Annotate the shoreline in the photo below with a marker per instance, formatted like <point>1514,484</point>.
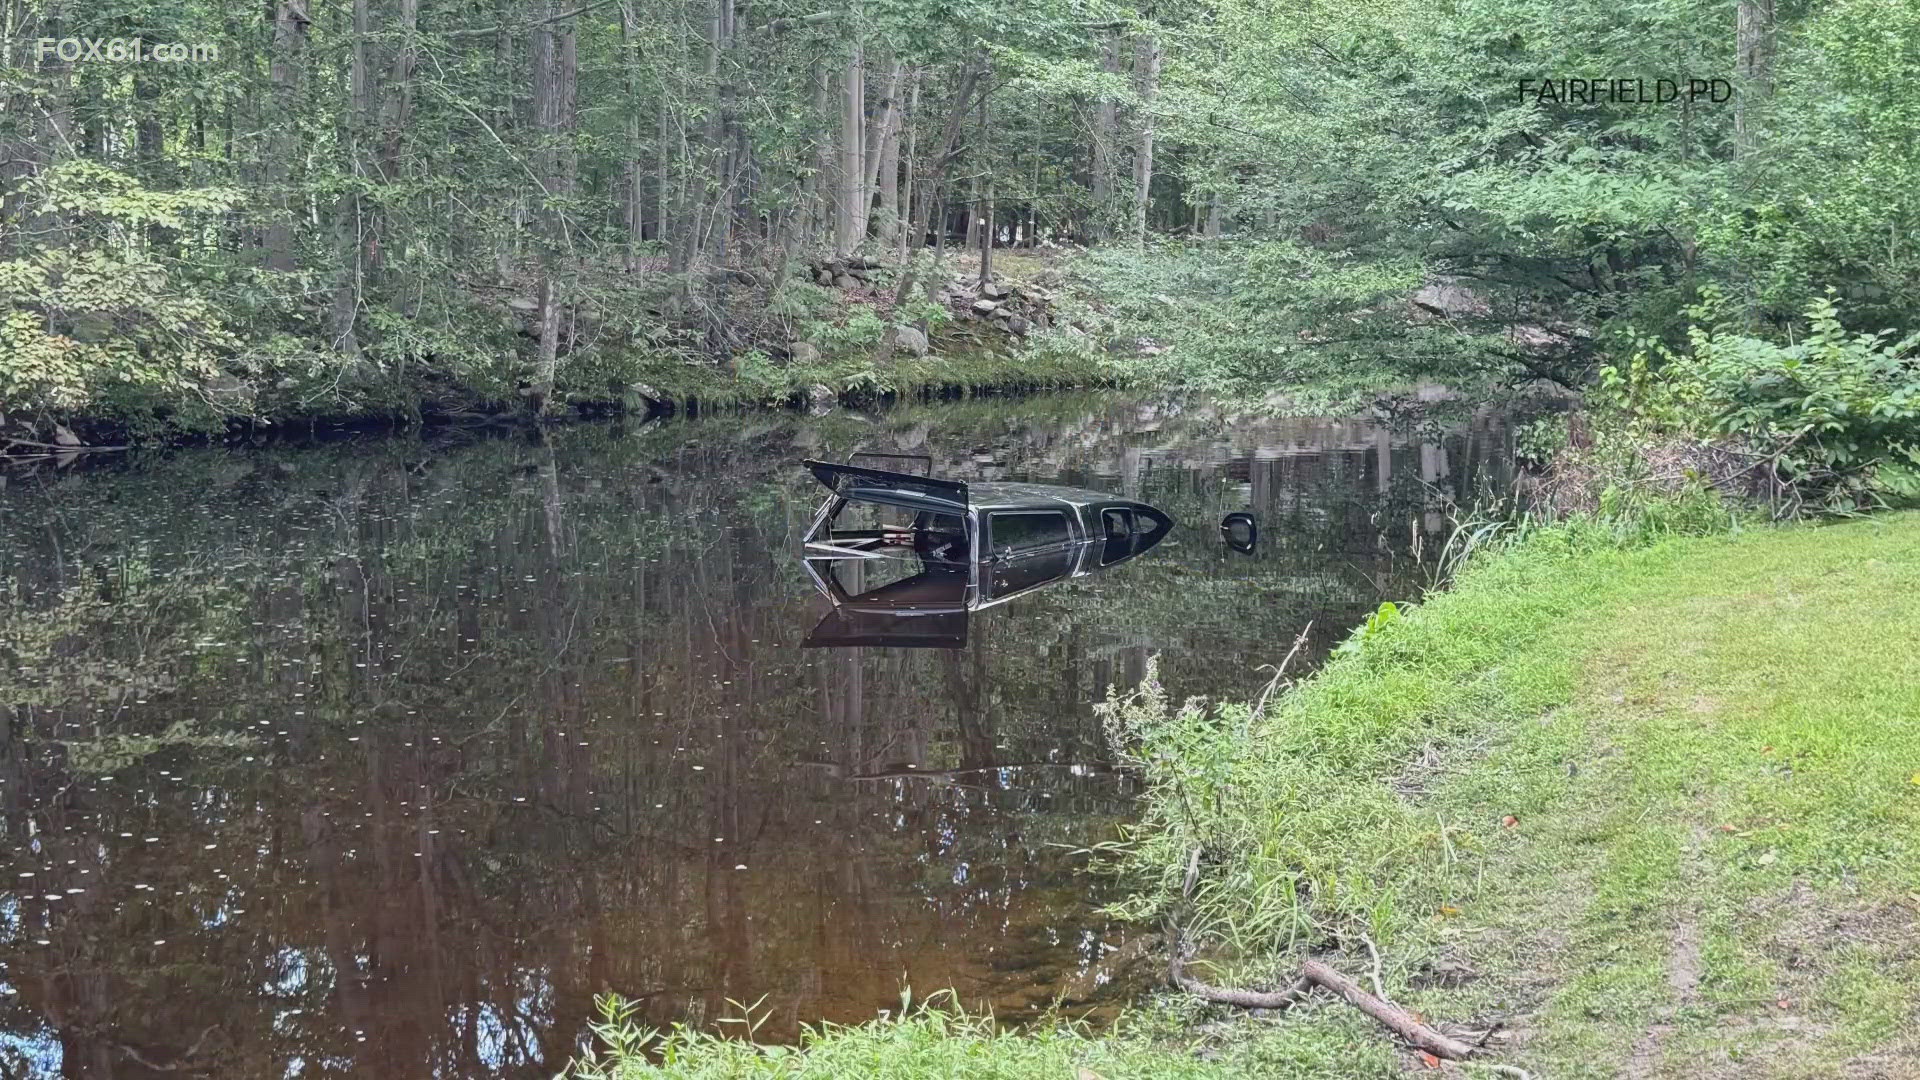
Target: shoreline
<point>1557,800</point>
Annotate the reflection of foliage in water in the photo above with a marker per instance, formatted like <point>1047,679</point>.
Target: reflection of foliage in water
<point>437,738</point>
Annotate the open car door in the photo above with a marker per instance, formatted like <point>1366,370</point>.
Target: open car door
<point>856,482</point>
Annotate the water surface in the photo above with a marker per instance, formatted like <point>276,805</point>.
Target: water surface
<point>381,757</point>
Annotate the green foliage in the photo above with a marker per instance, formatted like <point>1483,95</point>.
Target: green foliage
<point>855,330</point>
<point>1833,197</point>
<point>1376,625</point>
<point>1835,415</point>
<point>98,323</point>
<point>1241,316</point>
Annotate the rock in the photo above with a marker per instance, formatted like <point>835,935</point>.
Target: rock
<point>910,339</point>
<point>524,306</point>
<point>1041,321</point>
<point>859,273</point>
<point>1018,325</point>
<point>64,437</point>
<point>1450,300</point>
<point>802,352</point>
<point>993,290</point>
<point>836,267</point>
<point>821,399</point>
<point>845,281</point>
<point>646,391</point>
<point>985,307</point>
<point>824,279</point>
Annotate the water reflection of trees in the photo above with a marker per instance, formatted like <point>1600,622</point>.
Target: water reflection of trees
<point>387,756</point>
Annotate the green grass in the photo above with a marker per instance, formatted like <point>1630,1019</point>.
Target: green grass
<point>936,1041</point>
<point>1652,807</point>
<point>1710,748</point>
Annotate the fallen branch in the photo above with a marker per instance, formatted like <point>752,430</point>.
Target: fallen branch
<point>1314,973</point>
<point>1398,1020</point>
<point>1177,966</point>
<point>1245,999</point>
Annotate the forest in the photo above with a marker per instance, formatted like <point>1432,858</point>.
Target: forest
<point>216,217</point>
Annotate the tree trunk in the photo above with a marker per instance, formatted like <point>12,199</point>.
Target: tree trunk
<point>984,170</point>
<point>506,251</point>
<point>935,199</point>
<point>633,216</point>
<point>885,152</point>
<point>283,73</point>
<point>1146,68</point>
<point>554,82</point>
<point>348,223</point>
<point>879,128</point>
<point>663,175</point>
<point>905,202</point>
<point>850,222</point>
<point>727,138</point>
<point>1106,126</point>
<point>1753,69</point>
<point>396,110</point>
<point>820,186</point>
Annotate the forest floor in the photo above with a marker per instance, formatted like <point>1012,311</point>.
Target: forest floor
<point>1649,811</point>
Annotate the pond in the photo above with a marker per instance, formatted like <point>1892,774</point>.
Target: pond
<point>384,755</point>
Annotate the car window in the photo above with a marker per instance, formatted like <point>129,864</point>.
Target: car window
<point>1026,530</point>
<point>1119,527</point>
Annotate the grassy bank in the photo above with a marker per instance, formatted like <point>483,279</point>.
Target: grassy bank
<point>1652,809</point>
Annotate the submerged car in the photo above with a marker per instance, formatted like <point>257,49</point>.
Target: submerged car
<point>904,558</point>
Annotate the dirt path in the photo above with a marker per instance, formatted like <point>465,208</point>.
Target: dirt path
<point>1685,967</point>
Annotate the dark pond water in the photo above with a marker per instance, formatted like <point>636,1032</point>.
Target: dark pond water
<point>382,757</point>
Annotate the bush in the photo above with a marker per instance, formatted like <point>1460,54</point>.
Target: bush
<point>96,322</point>
<point>1831,421</point>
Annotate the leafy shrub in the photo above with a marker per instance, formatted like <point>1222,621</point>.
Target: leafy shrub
<point>97,322</point>
<point>859,331</point>
<point>1834,418</point>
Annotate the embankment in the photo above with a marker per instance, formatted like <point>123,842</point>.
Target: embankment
<point>1616,807</point>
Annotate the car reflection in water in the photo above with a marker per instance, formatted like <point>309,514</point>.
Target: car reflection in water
<point>905,558</point>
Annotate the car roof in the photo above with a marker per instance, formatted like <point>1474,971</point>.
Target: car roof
<point>1002,495</point>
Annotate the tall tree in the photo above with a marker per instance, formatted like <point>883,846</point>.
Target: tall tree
<point>1146,77</point>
